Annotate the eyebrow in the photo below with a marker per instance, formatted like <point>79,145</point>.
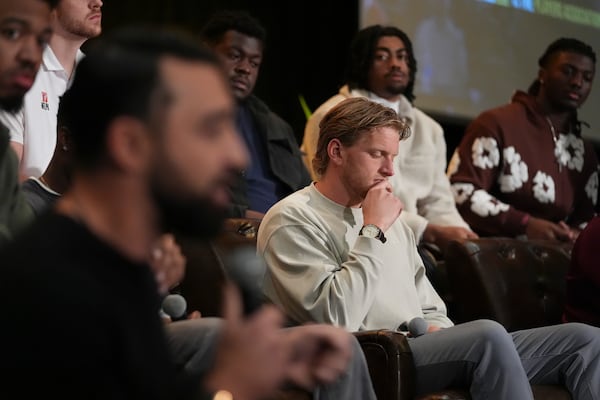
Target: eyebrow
<point>401,49</point>
<point>571,65</point>
<point>14,20</point>
<point>23,24</point>
<point>241,50</point>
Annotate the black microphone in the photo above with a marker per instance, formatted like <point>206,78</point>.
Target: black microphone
<point>175,306</point>
<point>416,326</point>
<point>246,269</point>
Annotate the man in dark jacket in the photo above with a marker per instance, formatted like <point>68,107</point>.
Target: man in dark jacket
<point>276,169</point>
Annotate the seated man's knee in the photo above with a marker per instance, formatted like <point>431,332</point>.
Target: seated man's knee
<point>581,334</point>
<point>491,333</point>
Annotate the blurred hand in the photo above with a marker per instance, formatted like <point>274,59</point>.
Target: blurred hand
<point>320,354</point>
<point>442,235</point>
<point>193,315</point>
<point>253,354</point>
<point>575,234</point>
<point>380,207</point>
<point>538,228</point>
<point>167,262</point>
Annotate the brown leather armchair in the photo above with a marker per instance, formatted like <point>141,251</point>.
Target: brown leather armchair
<point>519,283</point>
<point>387,352</point>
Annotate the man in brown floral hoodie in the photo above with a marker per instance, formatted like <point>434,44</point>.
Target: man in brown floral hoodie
<point>524,168</point>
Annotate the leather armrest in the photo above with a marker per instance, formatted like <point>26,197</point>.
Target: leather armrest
<point>392,369</point>
<point>390,363</point>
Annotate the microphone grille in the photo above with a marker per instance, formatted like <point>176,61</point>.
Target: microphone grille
<point>417,326</point>
<point>174,305</point>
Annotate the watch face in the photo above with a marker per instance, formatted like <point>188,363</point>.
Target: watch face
<point>370,231</point>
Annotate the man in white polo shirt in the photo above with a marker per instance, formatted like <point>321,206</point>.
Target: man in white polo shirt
<point>33,129</point>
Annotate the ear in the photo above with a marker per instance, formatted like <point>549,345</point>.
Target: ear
<point>335,151</point>
<point>541,75</point>
<point>128,144</point>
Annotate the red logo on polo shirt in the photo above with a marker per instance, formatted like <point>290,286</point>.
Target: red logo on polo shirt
<point>45,105</point>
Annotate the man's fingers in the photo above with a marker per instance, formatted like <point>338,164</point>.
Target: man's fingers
<point>321,354</point>
<point>569,233</point>
<point>561,231</point>
<point>471,235</point>
<point>329,364</point>
<point>382,185</point>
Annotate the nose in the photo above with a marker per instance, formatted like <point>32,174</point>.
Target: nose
<point>243,65</point>
<point>399,62</point>
<point>387,168</point>
<point>577,80</point>
<point>96,4</point>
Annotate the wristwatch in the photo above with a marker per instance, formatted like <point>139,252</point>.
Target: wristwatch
<point>372,231</point>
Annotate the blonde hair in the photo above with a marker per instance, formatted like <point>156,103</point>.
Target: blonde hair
<point>351,119</point>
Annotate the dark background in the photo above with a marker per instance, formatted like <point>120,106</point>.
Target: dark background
<point>307,44</point>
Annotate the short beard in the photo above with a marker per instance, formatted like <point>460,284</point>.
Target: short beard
<point>79,28</point>
<point>395,90</point>
<point>195,217</point>
<point>11,104</point>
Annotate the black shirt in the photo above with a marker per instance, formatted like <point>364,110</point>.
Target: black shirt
<point>80,320</point>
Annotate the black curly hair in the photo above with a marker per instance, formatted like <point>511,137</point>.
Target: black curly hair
<point>362,52</point>
<point>236,20</point>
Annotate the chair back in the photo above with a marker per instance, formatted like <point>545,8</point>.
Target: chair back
<point>519,283</point>
<point>206,274</point>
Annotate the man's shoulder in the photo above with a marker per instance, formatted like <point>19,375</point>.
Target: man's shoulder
<point>255,104</point>
<point>12,122</point>
<point>42,251</point>
<point>259,109</point>
<point>299,215</point>
<point>59,249</point>
<point>291,204</point>
<point>502,112</point>
<point>31,184</point>
<point>49,61</point>
<point>9,165</point>
<point>423,117</point>
<point>258,106</point>
<point>328,105</point>
<point>425,125</point>
<point>297,208</point>
<point>40,237</point>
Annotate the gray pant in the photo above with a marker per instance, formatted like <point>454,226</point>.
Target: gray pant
<point>500,365</point>
<point>193,343</point>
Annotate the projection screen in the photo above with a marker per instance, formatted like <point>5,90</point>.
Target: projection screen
<point>473,54</point>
